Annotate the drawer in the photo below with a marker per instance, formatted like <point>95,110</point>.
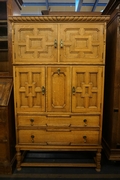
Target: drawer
<point>58,137</point>
<point>59,121</point>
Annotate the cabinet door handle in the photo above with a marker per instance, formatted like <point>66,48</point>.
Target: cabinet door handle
<point>32,137</point>
<point>58,71</point>
<point>55,43</point>
<point>85,122</point>
<point>43,90</point>
<point>61,43</point>
<point>73,90</point>
<point>85,139</point>
<point>31,120</point>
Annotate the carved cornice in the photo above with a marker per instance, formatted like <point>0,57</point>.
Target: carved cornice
<point>47,19</point>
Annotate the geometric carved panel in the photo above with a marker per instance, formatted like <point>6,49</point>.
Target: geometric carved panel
<point>58,96</point>
<point>82,43</point>
<point>30,83</point>
<point>87,86</point>
<point>35,43</point>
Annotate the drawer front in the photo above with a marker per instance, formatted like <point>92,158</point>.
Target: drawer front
<point>58,121</point>
<point>58,137</point>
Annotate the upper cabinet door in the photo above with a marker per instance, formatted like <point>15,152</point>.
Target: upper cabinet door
<point>30,89</point>
<point>82,43</point>
<point>35,43</point>
<point>58,89</point>
<point>87,89</point>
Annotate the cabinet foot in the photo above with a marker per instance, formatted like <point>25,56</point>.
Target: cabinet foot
<point>18,157</point>
<point>98,160</point>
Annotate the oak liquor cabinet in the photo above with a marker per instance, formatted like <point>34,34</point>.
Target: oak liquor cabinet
<point>58,69</point>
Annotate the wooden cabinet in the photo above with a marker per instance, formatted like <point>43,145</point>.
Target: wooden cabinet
<point>58,66</point>
<point>7,7</point>
<point>7,127</point>
<point>80,44</point>
<point>111,123</point>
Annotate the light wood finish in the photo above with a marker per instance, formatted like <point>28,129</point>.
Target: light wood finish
<point>87,82</point>
<point>80,44</point>
<point>66,120</point>
<point>59,82</point>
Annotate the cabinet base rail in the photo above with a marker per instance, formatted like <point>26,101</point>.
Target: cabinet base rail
<point>96,162</point>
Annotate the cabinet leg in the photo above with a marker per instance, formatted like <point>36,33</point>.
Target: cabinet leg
<point>18,157</point>
<point>98,160</point>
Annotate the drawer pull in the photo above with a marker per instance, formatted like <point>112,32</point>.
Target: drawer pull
<point>32,137</point>
<point>31,120</point>
<point>85,122</point>
<point>85,139</point>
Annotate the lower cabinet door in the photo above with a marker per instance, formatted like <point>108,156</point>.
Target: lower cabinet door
<point>29,89</point>
<point>87,88</point>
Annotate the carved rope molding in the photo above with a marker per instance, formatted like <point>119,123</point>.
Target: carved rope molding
<point>47,19</point>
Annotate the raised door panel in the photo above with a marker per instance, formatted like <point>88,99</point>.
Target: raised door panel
<point>82,43</point>
<point>35,43</point>
<point>58,91</point>
<point>87,89</point>
<point>30,89</point>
